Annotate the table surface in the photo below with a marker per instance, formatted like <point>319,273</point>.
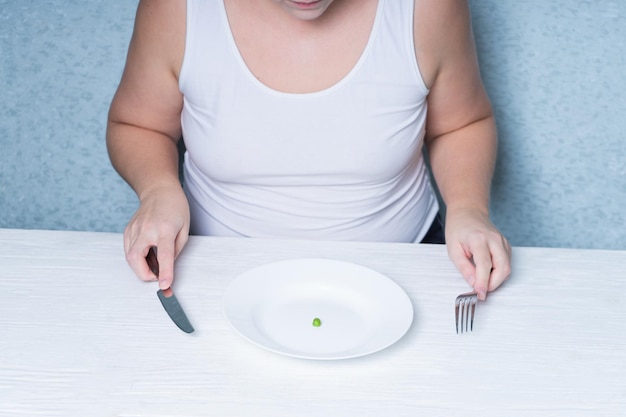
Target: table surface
<point>80,335</point>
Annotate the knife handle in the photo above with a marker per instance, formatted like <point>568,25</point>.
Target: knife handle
<point>152,260</point>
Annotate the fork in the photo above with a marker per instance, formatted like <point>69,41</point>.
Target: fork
<point>464,309</point>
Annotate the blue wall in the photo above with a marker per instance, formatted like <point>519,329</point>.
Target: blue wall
<point>555,71</point>
<point>61,61</point>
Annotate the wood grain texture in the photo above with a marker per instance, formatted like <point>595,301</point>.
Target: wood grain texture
<point>81,336</point>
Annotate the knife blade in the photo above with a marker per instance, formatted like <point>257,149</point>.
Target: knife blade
<point>168,299</point>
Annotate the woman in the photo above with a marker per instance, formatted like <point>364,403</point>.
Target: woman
<point>306,119</point>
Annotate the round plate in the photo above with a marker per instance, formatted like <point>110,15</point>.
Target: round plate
<point>360,310</point>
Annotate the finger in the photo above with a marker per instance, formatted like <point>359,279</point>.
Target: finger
<point>134,252</point>
<point>129,238</point>
<point>501,258</point>
<point>166,255</point>
<point>126,241</point>
<point>136,258</point>
<point>481,257</point>
<point>463,262</point>
<point>181,241</point>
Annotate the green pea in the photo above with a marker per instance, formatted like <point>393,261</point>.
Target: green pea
<point>317,322</point>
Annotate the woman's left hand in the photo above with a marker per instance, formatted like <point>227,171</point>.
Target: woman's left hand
<point>479,251</point>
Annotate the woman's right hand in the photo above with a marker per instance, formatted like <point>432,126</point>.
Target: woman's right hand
<point>162,220</point>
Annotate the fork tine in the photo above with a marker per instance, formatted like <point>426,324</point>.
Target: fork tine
<point>464,311</point>
<point>456,315</point>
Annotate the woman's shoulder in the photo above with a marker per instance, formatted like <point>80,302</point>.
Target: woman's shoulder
<point>441,28</point>
<point>160,28</point>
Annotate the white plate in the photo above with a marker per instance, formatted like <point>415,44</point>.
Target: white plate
<point>361,310</point>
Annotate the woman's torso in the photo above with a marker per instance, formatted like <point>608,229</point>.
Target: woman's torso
<point>336,156</point>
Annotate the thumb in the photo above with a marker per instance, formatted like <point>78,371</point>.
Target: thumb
<point>463,263</point>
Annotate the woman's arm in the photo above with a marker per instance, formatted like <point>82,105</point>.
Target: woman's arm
<point>142,132</point>
<point>461,139</point>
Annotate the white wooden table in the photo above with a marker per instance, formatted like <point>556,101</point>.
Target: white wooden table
<point>81,336</point>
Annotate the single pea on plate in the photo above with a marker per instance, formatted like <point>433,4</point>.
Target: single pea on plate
<point>317,322</point>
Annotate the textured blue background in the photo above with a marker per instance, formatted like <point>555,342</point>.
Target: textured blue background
<point>555,71</point>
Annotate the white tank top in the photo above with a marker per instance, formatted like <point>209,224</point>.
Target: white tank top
<point>344,163</point>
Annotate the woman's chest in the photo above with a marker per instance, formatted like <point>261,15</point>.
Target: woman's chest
<point>303,57</point>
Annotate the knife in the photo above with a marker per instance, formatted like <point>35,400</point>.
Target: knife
<point>168,299</point>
